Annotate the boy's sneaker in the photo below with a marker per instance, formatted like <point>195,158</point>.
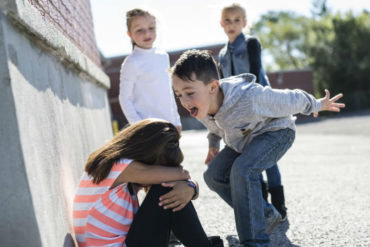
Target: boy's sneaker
<point>272,220</point>
<point>216,241</point>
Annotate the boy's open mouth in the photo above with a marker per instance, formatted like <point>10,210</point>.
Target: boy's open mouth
<point>194,112</point>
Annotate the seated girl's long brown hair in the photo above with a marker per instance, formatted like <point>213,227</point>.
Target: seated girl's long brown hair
<point>151,141</point>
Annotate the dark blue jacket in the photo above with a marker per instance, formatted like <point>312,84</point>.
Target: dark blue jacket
<point>245,52</point>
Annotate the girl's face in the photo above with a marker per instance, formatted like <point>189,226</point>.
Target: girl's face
<point>233,23</point>
<point>142,31</point>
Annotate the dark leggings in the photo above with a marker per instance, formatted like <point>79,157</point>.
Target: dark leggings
<point>152,224</point>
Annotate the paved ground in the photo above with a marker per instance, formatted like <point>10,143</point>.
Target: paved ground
<point>326,175</point>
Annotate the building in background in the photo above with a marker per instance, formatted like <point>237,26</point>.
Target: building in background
<point>54,112</point>
<point>301,79</point>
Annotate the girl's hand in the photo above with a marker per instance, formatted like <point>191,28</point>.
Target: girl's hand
<point>178,197</point>
<point>212,152</point>
<point>330,104</point>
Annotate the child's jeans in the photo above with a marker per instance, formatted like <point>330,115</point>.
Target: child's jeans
<point>273,176</point>
<point>235,178</point>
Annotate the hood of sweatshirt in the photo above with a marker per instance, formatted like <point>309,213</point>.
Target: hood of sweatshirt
<point>232,88</point>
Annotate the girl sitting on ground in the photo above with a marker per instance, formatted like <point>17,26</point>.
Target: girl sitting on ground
<point>106,208</point>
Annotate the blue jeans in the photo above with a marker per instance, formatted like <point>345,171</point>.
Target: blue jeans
<point>273,176</point>
<point>235,177</point>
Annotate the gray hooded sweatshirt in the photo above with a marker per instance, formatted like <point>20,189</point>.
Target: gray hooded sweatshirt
<point>249,110</point>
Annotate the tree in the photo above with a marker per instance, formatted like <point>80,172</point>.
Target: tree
<point>340,56</point>
<point>334,46</point>
<point>282,35</point>
<point>319,7</point>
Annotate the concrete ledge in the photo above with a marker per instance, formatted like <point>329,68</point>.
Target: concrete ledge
<point>28,19</point>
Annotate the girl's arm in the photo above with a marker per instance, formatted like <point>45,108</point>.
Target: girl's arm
<point>255,61</point>
<point>126,90</point>
<point>254,55</point>
<point>137,172</point>
<point>175,117</point>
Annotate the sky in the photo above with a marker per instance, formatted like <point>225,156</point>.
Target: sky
<point>185,24</point>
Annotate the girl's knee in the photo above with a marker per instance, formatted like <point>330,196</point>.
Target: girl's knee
<point>158,190</point>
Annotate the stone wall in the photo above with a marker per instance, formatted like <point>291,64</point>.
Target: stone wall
<point>54,112</point>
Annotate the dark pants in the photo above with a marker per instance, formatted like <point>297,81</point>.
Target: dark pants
<point>152,224</point>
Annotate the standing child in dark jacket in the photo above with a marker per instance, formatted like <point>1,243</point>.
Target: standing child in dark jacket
<point>242,54</point>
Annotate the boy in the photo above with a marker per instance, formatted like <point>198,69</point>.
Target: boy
<point>242,54</point>
<point>256,125</point>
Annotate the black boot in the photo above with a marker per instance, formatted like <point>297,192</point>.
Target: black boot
<point>216,241</point>
<point>264,190</point>
<point>278,200</point>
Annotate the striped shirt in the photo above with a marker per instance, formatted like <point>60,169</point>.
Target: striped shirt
<point>102,217</point>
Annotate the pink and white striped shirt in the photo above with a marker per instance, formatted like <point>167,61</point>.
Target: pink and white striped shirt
<point>102,217</point>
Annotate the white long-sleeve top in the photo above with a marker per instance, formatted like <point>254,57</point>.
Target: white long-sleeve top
<point>145,87</point>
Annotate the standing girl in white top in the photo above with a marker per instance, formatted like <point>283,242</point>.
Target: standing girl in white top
<point>145,84</point>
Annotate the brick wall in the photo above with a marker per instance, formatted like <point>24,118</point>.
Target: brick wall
<point>74,19</point>
<point>301,79</point>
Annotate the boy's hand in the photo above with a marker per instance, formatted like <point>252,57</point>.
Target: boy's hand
<point>330,104</point>
<point>212,152</point>
<point>179,129</point>
<point>180,195</point>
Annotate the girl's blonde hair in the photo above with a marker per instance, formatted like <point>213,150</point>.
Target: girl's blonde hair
<point>134,13</point>
<point>233,7</point>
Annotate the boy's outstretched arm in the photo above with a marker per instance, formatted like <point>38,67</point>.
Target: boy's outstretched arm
<point>330,104</point>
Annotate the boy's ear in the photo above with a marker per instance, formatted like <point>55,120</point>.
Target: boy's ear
<point>215,84</point>
<point>129,34</point>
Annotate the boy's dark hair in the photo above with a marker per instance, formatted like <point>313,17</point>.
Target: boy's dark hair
<point>198,63</point>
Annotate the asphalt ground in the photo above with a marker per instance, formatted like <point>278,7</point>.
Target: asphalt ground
<point>326,176</point>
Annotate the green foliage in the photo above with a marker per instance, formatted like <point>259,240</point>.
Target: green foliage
<point>319,8</point>
<point>335,46</point>
<point>281,35</point>
<point>341,60</point>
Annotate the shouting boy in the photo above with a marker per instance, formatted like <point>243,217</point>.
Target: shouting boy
<point>256,124</point>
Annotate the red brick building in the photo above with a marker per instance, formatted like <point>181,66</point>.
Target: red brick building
<point>74,20</point>
<point>301,79</point>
